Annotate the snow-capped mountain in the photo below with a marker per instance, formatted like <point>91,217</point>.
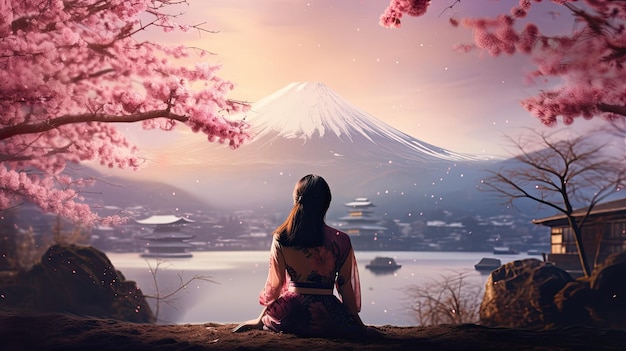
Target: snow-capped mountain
<point>308,128</point>
<point>312,117</point>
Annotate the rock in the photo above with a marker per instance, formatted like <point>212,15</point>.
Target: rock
<point>521,294</point>
<point>80,280</point>
<point>608,284</point>
<point>573,302</point>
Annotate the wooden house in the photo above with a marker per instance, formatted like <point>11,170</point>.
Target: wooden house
<point>603,234</point>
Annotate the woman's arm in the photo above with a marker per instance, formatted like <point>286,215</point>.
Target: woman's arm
<point>276,276</point>
<point>348,286</point>
<point>272,289</point>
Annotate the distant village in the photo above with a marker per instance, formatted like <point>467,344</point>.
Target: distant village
<point>164,234</point>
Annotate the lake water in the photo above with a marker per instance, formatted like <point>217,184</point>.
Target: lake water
<point>238,276</point>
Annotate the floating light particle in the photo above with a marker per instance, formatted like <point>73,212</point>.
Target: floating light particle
<point>174,193</point>
<point>445,68</point>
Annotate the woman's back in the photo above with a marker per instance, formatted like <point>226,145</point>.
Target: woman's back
<point>308,260</point>
<point>318,265</point>
<point>302,300</point>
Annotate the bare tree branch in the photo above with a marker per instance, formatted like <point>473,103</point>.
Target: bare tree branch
<point>563,175</point>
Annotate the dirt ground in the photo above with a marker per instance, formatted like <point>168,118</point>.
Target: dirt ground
<point>43,332</point>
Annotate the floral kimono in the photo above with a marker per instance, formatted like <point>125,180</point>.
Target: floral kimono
<point>332,265</point>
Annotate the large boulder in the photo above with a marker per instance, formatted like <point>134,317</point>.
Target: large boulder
<point>79,280</point>
<point>531,293</point>
<point>521,294</point>
<point>608,284</point>
<point>572,302</point>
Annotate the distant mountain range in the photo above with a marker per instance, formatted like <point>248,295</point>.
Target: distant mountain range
<point>308,128</point>
<point>110,195</point>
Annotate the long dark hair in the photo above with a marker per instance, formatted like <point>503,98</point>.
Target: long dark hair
<point>304,227</point>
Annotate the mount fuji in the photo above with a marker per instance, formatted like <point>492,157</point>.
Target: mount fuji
<point>308,128</point>
<point>310,123</point>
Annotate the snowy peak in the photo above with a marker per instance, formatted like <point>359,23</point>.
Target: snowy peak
<point>312,111</point>
<point>302,110</point>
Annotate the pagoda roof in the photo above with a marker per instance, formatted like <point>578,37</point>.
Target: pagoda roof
<point>362,227</point>
<point>359,219</point>
<point>176,244</point>
<point>172,236</point>
<point>357,203</point>
<point>164,219</point>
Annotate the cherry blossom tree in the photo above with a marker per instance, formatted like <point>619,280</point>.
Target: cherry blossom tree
<point>587,63</point>
<point>72,70</point>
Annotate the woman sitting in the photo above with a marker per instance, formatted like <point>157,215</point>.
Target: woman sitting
<point>308,259</point>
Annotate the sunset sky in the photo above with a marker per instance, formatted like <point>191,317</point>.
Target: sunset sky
<point>411,77</point>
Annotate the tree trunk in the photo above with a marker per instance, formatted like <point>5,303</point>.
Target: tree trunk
<point>579,245</point>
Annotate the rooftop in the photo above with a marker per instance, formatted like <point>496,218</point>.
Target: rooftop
<point>164,219</point>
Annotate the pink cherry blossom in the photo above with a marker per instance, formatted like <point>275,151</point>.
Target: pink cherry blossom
<point>70,70</point>
<point>588,62</point>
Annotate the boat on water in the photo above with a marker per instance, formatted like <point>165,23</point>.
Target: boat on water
<point>487,264</point>
<point>504,250</point>
<point>380,263</point>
